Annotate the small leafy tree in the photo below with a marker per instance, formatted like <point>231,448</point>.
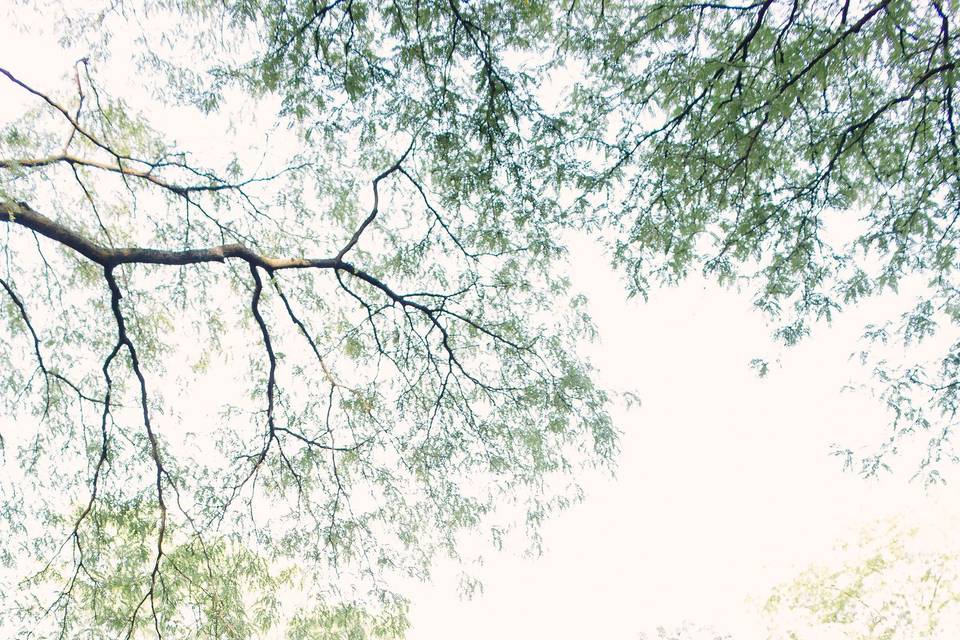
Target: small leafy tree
<point>891,584</point>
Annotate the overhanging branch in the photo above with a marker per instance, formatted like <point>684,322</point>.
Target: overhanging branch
<point>22,214</point>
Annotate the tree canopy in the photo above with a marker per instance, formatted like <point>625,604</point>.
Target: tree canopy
<point>372,256</point>
<point>891,580</point>
<point>891,584</point>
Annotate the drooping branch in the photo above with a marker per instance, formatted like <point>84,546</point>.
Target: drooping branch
<point>131,172</point>
<point>123,338</point>
<point>41,363</point>
<point>271,357</point>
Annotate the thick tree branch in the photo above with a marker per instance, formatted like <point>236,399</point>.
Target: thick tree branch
<point>22,214</point>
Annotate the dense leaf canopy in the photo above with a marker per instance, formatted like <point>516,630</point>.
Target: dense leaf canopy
<point>370,256</point>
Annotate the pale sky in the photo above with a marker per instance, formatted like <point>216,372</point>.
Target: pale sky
<point>725,484</point>
<point>724,487</point>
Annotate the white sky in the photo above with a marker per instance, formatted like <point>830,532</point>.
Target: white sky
<point>725,486</point>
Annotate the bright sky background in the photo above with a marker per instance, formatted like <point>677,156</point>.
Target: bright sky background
<point>725,484</point>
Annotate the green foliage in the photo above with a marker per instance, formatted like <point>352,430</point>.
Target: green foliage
<point>891,584</point>
<point>805,149</point>
<point>687,631</point>
<point>422,379</point>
